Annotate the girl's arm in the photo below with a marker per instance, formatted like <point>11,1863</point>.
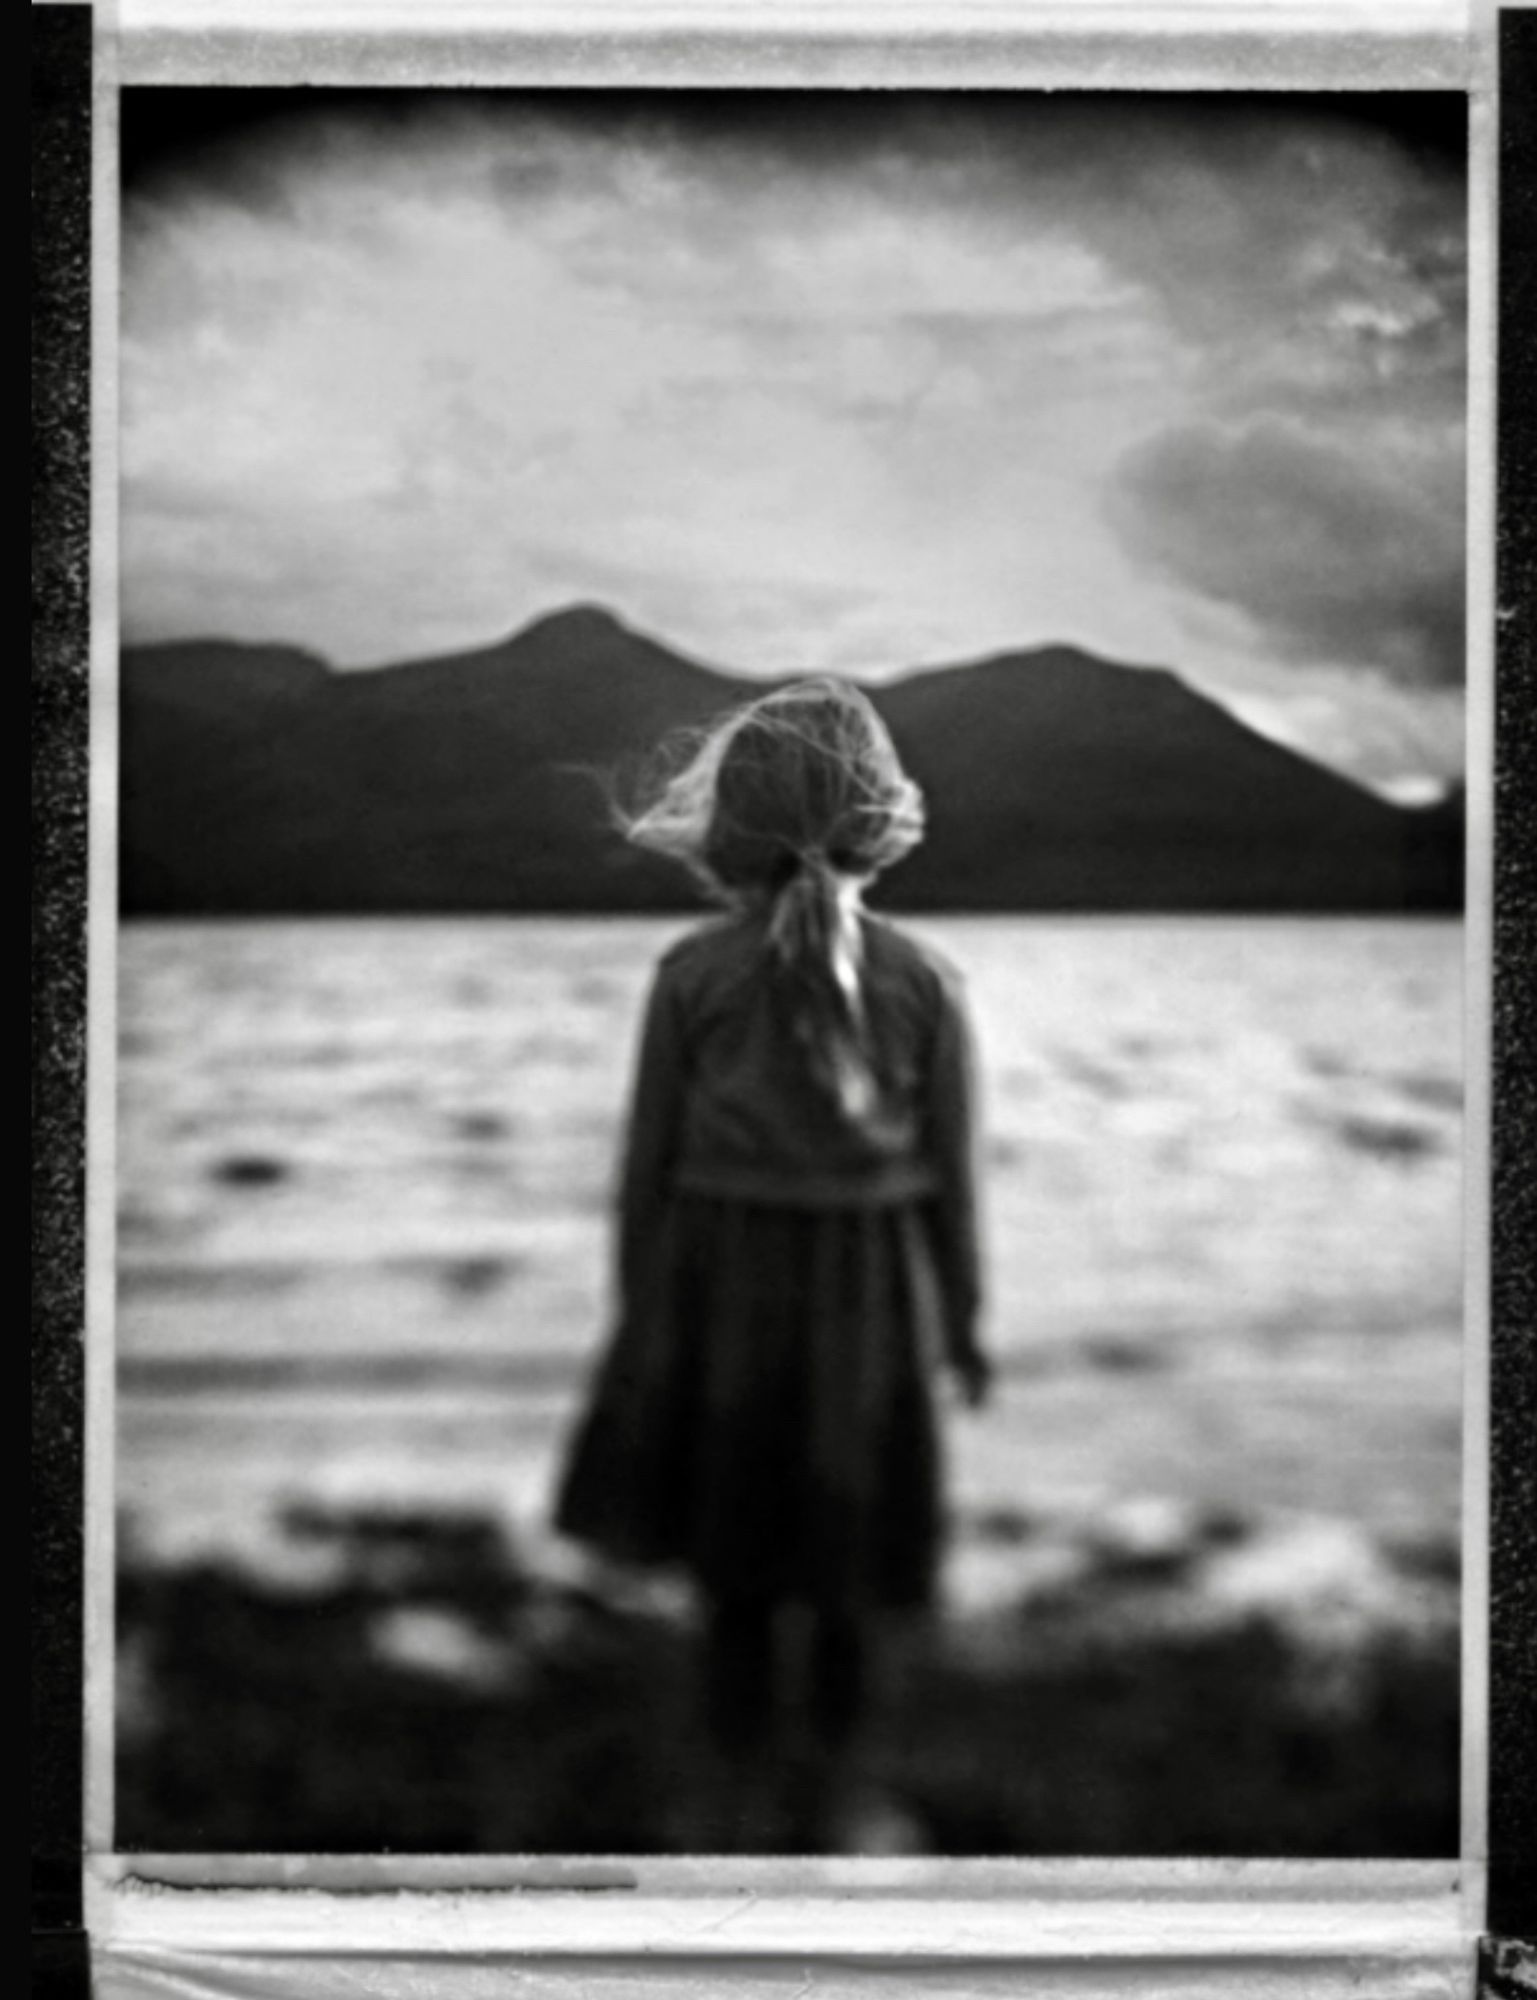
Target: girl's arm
<point>651,1135</point>
<point>954,1137</point>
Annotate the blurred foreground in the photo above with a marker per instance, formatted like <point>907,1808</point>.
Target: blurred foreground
<point>1158,1682</point>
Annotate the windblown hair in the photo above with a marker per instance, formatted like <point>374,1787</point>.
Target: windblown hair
<point>795,801</point>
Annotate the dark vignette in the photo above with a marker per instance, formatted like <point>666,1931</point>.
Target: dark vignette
<point>167,129</point>
<point>60,54</point>
<point>1513,1542</point>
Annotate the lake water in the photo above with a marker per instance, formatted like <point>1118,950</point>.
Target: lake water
<point>364,1182</point>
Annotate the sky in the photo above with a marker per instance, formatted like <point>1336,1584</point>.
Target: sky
<point>852,382</point>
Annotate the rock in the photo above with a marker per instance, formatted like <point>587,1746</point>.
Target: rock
<point>1149,1532</point>
<point>440,1644</point>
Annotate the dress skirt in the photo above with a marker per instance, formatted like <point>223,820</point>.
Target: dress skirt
<point>764,1415</point>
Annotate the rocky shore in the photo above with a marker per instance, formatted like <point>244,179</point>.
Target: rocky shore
<point>1150,1679</point>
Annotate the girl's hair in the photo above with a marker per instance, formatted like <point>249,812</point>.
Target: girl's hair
<point>796,799</point>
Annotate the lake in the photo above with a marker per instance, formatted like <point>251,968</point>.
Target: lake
<point>364,1183</point>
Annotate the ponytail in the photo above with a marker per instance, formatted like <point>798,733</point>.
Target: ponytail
<point>790,804</point>
<point>815,943</point>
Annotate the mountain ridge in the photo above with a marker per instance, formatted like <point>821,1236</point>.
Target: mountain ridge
<point>260,779</point>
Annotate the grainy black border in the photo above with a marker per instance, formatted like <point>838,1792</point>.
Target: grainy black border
<point>60,58</point>
<point>1513,1429</point>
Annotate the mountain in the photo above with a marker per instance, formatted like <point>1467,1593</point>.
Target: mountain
<point>256,779</point>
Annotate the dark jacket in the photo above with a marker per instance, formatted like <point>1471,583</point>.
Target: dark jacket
<point>725,1103</point>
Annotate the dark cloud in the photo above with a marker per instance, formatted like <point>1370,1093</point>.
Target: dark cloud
<point>1338,554</point>
<point>241,142</point>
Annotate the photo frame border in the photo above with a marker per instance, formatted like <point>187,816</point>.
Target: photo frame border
<point>1511,1827</point>
<point>73,571</point>
<point>61,61</point>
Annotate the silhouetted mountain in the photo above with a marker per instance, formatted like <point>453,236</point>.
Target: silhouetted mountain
<point>255,779</point>
<point>1437,850</point>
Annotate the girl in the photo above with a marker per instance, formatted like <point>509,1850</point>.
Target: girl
<point>797,1234</point>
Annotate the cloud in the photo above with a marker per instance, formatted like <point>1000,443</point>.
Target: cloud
<point>822,379</point>
<point>472,383</point>
<point>1337,554</point>
<point>1405,741</point>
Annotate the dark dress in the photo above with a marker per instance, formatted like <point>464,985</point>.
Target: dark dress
<point>789,1278</point>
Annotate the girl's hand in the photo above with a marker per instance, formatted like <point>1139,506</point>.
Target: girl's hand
<point>974,1377</point>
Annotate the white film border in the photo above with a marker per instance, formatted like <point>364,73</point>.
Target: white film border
<point>253,1925</point>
